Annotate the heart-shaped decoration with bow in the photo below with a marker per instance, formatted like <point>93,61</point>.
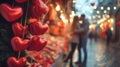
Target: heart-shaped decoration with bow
<point>19,29</point>
<point>19,44</point>
<point>37,43</point>
<point>13,62</point>
<point>37,28</point>
<point>20,1</point>
<point>10,13</point>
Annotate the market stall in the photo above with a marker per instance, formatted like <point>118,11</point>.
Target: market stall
<point>27,40</point>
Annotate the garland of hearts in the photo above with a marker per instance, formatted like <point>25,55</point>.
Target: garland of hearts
<point>34,27</point>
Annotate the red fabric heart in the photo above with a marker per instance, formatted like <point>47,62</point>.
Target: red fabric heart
<point>20,1</point>
<point>37,28</point>
<point>39,8</point>
<point>13,62</point>
<point>18,29</point>
<point>9,13</point>
<point>19,44</point>
<point>37,43</point>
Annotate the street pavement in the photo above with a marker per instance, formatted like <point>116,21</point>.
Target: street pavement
<point>98,55</point>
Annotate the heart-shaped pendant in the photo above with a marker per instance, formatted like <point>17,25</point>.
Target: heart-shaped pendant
<point>10,13</point>
<point>19,44</point>
<point>13,62</point>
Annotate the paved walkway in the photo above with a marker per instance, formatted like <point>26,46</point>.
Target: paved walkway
<point>98,55</point>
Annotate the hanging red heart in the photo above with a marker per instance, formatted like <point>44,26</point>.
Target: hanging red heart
<point>18,29</point>
<point>19,44</point>
<point>39,8</point>
<point>37,28</point>
<point>37,43</point>
<point>35,13</point>
<point>93,4</point>
<point>10,13</point>
<point>13,62</point>
<point>20,1</point>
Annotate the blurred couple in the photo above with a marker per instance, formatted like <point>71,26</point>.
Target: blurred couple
<point>79,35</point>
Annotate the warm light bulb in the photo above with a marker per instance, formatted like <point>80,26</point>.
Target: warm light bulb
<point>98,12</point>
<point>102,8</point>
<point>74,1</point>
<point>115,8</point>
<point>108,8</point>
<point>105,11</point>
<point>99,16</point>
<point>57,8</point>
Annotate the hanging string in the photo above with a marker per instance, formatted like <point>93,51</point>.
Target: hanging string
<point>26,17</point>
<point>43,18</point>
<point>24,24</point>
<point>21,20</point>
<point>19,54</point>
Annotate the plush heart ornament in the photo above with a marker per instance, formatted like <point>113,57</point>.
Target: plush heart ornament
<point>18,29</point>
<point>35,13</point>
<point>37,28</point>
<point>20,1</point>
<point>19,44</point>
<point>10,13</point>
<point>13,62</point>
<point>37,43</point>
<point>39,8</point>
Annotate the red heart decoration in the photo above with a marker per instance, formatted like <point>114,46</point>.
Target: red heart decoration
<point>37,43</point>
<point>35,12</point>
<point>37,28</point>
<point>19,44</point>
<point>13,62</point>
<point>10,13</point>
<point>39,8</point>
<point>20,1</point>
<point>18,29</point>
<point>93,4</point>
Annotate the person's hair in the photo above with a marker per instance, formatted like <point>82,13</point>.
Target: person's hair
<point>83,15</point>
<point>75,20</point>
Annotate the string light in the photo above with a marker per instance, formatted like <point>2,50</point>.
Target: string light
<point>98,12</point>
<point>57,8</point>
<point>115,8</point>
<point>99,16</point>
<point>108,8</point>
<point>102,8</point>
<point>107,16</point>
<point>74,1</point>
<point>105,11</point>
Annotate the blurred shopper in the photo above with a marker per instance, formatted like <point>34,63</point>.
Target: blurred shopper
<point>108,36</point>
<point>91,35</point>
<point>83,35</point>
<point>74,40</point>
